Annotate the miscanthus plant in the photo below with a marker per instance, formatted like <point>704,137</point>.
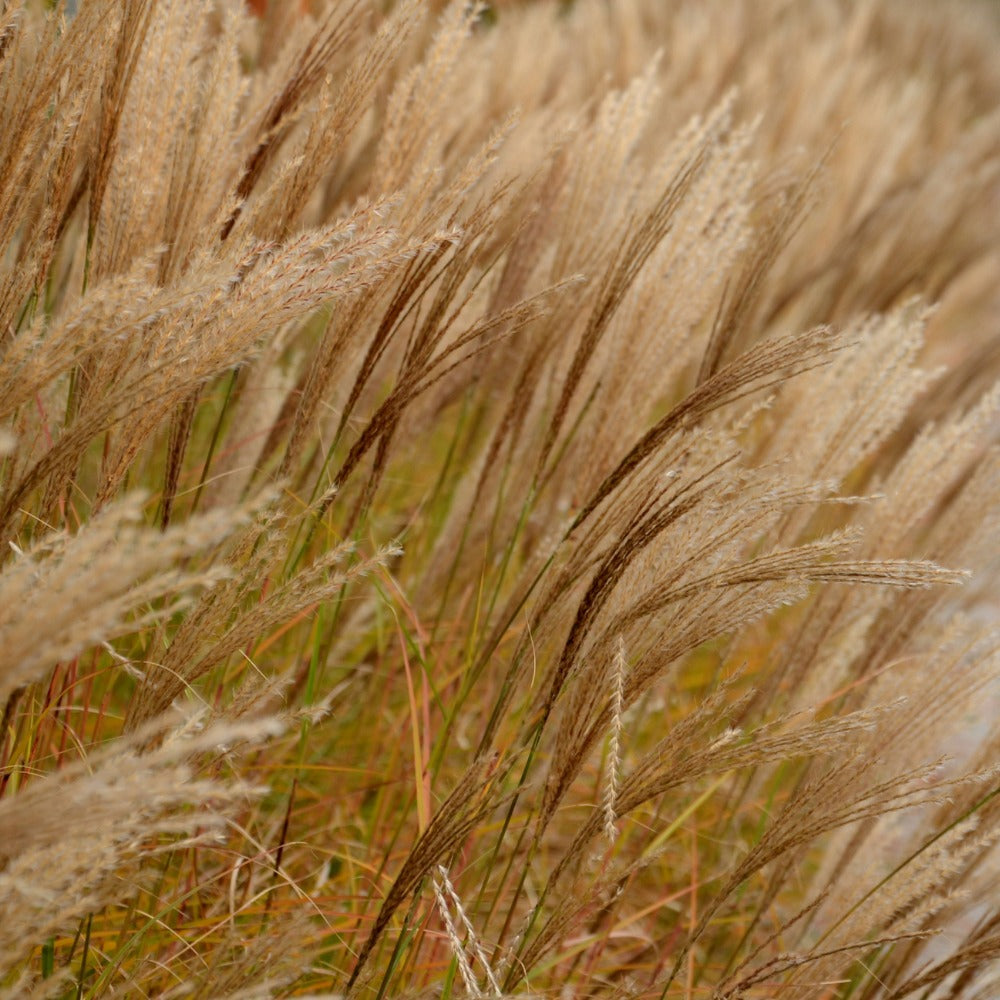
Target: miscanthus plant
<point>499,499</point>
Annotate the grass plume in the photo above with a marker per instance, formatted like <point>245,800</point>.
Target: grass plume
<point>499,499</point>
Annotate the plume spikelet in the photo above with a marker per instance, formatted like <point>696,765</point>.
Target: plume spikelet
<point>614,740</point>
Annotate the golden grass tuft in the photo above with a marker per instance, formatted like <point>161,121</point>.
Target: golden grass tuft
<point>499,499</point>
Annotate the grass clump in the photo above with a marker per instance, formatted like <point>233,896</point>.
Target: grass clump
<point>499,499</point>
